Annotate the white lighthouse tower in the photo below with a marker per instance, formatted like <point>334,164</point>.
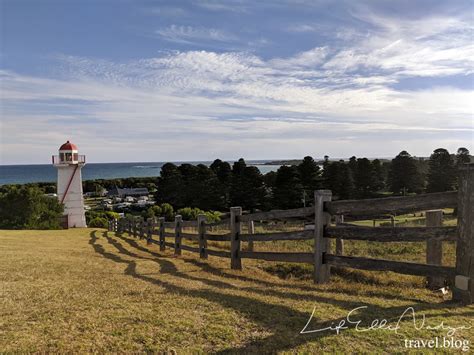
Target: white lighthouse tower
<point>69,164</point>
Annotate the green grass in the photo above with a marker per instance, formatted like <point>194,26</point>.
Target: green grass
<point>417,219</point>
<point>88,290</point>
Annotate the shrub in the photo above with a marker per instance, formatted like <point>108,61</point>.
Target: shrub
<point>213,216</point>
<point>167,211</point>
<point>98,222</point>
<point>189,213</point>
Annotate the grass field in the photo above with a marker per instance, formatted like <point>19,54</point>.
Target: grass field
<point>88,290</point>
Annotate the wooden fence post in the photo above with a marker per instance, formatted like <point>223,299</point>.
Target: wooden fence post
<point>177,236</point>
<point>251,227</point>
<point>339,241</point>
<point>142,228</point>
<point>201,220</point>
<point>321,244</point>
<point>434,248</point>
<point>134,227</point>
<point>149,230</point>
<point>464,281</point>
<point>115,225</point>
<point>161,221</point>
<point>235,230</point>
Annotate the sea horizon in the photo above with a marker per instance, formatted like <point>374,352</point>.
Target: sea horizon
<point>44,173</point>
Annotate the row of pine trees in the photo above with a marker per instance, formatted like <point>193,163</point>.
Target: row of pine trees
<point>221,185</point>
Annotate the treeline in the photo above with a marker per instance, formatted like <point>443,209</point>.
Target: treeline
<point>220,185</point>
<point>96,185</point>
<point>27,207</point>
<point>99,184</point>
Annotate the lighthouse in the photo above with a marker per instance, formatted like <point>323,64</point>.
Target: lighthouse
<point>69,164</point>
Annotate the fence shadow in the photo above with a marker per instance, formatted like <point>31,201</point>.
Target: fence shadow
<point>283,322</point>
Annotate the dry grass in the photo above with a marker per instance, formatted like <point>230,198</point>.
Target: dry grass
<point>87,290</point>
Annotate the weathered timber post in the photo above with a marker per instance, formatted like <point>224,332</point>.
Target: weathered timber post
<point>339,241</point>
<point>177,236</point>
<point>235,230</point>
<point>109,225</point>
<point>464,281</point>
<point>434,248</point>
<point>134,227</point>
<point>201,220</point>
<point>321,244</point>
<point>114,225</point>
<point>142,228</point>
<point>161,221</point>
<point>251,227</point>
<point>149,230</point>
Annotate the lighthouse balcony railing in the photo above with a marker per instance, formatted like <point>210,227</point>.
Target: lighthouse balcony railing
<point>68,159</point>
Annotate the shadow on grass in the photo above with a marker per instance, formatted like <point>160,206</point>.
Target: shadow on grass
<point>283,322</point>
<point>205,266</point>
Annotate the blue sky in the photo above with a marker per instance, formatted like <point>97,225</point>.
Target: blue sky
<point>136,80</point>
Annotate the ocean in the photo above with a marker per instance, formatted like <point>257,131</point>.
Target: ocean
<point>21,174</point>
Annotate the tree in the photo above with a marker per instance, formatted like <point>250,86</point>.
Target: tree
<point>441,173</point>
<point>310,177</point>
<point>288,191</point>
<point>462,157</point>
<point>344,183</point>
<point>353,165</point>
<point>363,177</point>
<point>170,186</point>
<point>223,172</point>
<point>29,208</point>
<point>200,187</point>
<point>247,188</point>
<point>378,171</point>
<point>404,175</point>
<point>337,177</point>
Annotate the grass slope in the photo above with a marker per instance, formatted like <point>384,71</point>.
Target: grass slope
<point>88,290</point>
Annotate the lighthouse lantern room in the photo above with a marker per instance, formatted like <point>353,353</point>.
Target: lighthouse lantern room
<point>69,164</point>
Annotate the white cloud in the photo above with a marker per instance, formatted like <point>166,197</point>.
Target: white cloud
<point>229,5</point>
<point>337,100</point>
<point>191,35</point>
<point>433,46</point>
<point>302,28</point>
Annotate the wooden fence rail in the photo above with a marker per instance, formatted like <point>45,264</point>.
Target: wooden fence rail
<point>460,277</point>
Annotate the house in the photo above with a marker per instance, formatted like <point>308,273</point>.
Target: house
<point>139,191</point>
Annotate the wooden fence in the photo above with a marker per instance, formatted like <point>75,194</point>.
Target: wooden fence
<point>322,232</point>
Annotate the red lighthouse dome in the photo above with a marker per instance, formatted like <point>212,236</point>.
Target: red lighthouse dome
<point>68,146</point>
<point>68,155</point>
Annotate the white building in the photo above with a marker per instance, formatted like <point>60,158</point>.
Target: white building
<point>69,164</point>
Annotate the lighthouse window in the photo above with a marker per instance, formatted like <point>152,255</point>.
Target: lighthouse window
<point>76,156</point>
<point>61,156</point>
<point>68,156</point>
